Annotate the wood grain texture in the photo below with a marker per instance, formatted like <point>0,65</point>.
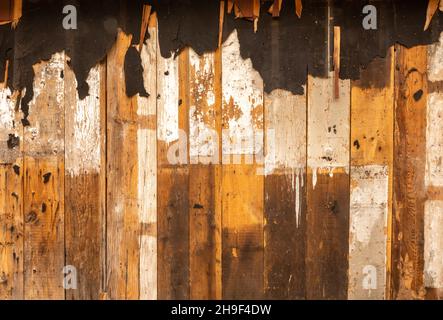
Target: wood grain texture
<point>173,176</point>
<point>11,199</point>
<point>84,188</point>
<point>371,179</point>
<point>242,175</point>
<point>328,189</point>
<point>147,168</point>
<point>285,195</point>
<point>409,173</point>
<point>204,175</point>
<point>433,266</point>
<point>123,220</point>
<point>44,248</point>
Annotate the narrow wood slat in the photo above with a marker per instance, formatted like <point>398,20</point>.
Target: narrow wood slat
<point>123,219</point>
<point>173,177</point>
<point>409,172</point>
<point>433,240</point>
<point>11,198</point>
<point>147,168</point>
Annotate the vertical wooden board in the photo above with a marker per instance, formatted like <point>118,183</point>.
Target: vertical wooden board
<point>285,195</point>
<point>11,198</point>
<point>123,221</point>
<point>433,245</point>
<point>44,250</point>
<point>204,213</point>
<point>433,264</point>
<point>328,189</point>
<point>371,179</point>
<point>409,172</point>
<point>147,169</point>
<point>84,192</point>
<point>242,175</point>
<point>173,177</point>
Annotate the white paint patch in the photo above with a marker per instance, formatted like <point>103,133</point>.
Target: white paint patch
<point>328,126</point>
<point>434,141</point>
<point>285,116</point>
<point>51,70</point>
<point>7,105</point>
<point>203,138</point>
<point>148,267</point>
<point>242,97</point>
<point>433,270</point>
<point>84,149</point>
<point>368,225</point>
<point>168,99</point>
<point>435,61</point>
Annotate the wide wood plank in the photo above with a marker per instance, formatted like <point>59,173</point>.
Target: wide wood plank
<point>371,179</point>
<point>285,195</point>
<point>242,175</point>
<point>84,182</point>
<point>44,250</point>
<point>328,189</point>
<point>204,175</point>
<point>123,220</point>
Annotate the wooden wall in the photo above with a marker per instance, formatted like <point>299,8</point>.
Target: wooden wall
<point>211,188</point>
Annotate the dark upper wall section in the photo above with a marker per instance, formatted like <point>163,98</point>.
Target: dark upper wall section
<point>283,50</point>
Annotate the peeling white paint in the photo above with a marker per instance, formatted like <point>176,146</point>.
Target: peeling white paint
<point>84,147</point>
<point>328,126</point>
<point>368,224</point>
<point>434,140</point>
<point>7,105</point>
<point>433,251</point>
<point>285,116</point>
<point>203,137</point>
<point>242,94</point>
<point>168,99</point>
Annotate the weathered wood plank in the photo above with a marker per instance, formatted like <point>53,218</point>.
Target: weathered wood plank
<point>44,250</point>
<point>147,168</point>
<point>285,195</point>
<point>123,220</point>
<point>328,189</point>
<point>204,176</point>
<point>11,198</point>
<point>433,245</point>
<point>84,190</point>
<point>173,176</point>
<point>409,171</point>
<point>371,179</point>
<point>242,177</point>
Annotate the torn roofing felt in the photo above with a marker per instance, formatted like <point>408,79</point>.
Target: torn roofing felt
<point>283,50</point>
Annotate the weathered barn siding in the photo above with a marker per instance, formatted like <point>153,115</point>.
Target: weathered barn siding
<point>211,188</point>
